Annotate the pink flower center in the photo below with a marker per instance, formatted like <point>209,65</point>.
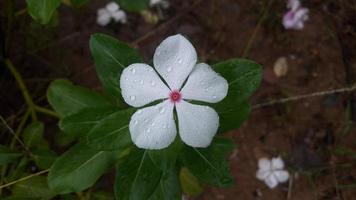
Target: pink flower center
<point>175,96</point>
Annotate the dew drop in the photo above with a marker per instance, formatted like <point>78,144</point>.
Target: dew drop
<point>135,122</point>
<point>148,130</point>
<point>158,53</point>
<point>214,97</point>
<point>153,83</point>
<point>139,111</point>
<point>161,110</point>
<point>169,69</point>
<point>150,69</point>
<point>133,71</point>
<point>164,126</point>
<point>126,79</point>
<point>206,89</point>
<point>141,82</point>
<point>202,82</point>
<point>145,120</point>
<point>132,98</point>
<point>153,124</point>
<point>180,60</point>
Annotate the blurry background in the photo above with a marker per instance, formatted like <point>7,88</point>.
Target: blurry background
<point>317,135</point>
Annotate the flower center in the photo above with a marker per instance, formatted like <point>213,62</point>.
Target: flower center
<point>175,96</point>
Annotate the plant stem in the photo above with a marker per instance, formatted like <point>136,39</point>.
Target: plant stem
<point>23,88</point>
<point>24,178</point>
<point>46,111</point>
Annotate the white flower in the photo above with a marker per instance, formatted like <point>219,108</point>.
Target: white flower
<point>296,16</point>
<point>179,79</point>
<point>163,3</point>
<point>272,171</point>
<point>111,11</point>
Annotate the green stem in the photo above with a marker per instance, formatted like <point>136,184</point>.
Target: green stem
<point>23,88</point>
<point>46,111</point>
<point>24,178</point>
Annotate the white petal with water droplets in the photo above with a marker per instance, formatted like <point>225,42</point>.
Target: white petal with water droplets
<point>197,124</point>
<point>153,127</point>
<point>204,84</point>
<point>262,174</point>
<point>137,88</point>
<point>174,59</point>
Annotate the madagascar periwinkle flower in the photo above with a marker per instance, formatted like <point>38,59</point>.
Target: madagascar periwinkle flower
<point>296,15</point>
<point>272,171</point>
<point>112,11</point>
<point>175,80</point>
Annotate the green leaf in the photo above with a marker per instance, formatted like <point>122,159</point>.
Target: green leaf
<point>190,184</point>
<point>79,3</point>
<point>166,158</point>
<point>102,195</point>
<point>33,135</point>
<point>111,57</point>
<point>35,187</point>
<point>232,115</point>
<point>8,155</point>
<point>208,164</point>
<point>42,10</point>
<point>244,77</point>
<point>137,177</point>
<point>112,132</point>
<point>79,168</point>
<point>44,158</point>
<point>133,5</point>
<point>80,123</point>
<point>67,99</point>
<point>168,187</point>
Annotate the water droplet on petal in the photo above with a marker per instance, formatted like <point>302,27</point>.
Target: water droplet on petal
<point>135,122</point>
<point>164,126</point>
<point>133,71</point>
<point>148,130</point>
<point>206,89</point>
<point>150,69</point>
<point>139,111</point>
<point>141,82</point>
<point>132,98</point>
<point>169,69</point>
<point>126,79</point>
<point>162,109</point>
<point>202,82</point>
<point>158,52</point>
<point>153,123</point>
<point>153,83</point>
<point>180,60</point>
<point>214,97</point>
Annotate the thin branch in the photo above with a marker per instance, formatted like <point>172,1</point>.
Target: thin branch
<point>305,96</point>
<point>24,178</point>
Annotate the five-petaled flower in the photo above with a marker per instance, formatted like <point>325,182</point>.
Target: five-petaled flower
<point>272,171</point>
<point>111,11</point>
<point>175,79</point>
<point>296,16</point>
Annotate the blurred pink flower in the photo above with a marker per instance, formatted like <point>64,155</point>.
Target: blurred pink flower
<point>296,15</point>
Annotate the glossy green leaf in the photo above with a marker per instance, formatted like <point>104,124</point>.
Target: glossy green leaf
<point>166,158</point>
<point>133,5</point>
<point>79,168</point>
<point>35,187</point>
<point>81,123</point>
<point>137,177</point>
<point>244,77</point>
<point>33,135</point>
<point>190,184</point>
<point>44,158</point>
<point>208,164</point>
<point>112,132</point>
<point>67,99</point>
<point>232,115</point>
<point>42,10</point>
<point>8,155</point>
<point>168,187</point>
<point>111,57</point>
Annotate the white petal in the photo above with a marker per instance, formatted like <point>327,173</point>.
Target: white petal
<point>112,7</point>
<point>204,84</point>
<point>119,16</point>
<point>153,127</point>
<point>262,174</point>
<point>103,19</point>
<point>197,124</point>
<point>277,163</point>
<point>271,181</point>
<point>174,59</point>
<point>281,175</point>
<point>141,85</point>
<point>264,164</point>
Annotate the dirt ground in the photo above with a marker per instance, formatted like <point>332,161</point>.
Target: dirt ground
<point>315,135</point>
